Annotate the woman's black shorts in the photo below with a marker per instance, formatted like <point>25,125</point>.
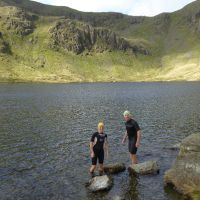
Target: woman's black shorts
<point>98,155</point>
<point>131,146</point>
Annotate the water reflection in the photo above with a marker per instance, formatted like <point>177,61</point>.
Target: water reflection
<point>97,196</point>
<point>131,192</point>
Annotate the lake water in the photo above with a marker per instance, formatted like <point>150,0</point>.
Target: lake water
<point>45,131</point>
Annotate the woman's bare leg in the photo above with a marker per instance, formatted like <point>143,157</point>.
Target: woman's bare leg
<point>92,168</point>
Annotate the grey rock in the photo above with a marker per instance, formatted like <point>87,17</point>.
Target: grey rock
<point>115,168</point>
<point>148,167</point>
<point>185,171</point>
<point>100,183</point>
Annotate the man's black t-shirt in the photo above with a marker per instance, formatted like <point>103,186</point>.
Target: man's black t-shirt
<point>99,140</point>
<point>132,128</point>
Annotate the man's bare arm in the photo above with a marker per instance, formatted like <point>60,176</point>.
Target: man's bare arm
<point>139,133</point>
<point>124,138</point>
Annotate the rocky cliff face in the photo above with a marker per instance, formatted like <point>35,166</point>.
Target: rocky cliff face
<point>4,45</point>
<point>185,172</point>
<point>195,21</point>
<point>17,21</point>
<point>75,36</point>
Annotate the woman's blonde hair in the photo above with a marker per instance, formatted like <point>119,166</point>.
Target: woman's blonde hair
<point>100,125</point>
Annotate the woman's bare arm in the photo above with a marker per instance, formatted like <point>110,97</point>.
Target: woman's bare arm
<point>91,149</point>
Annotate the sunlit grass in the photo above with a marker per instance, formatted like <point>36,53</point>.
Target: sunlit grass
<point>174,53</point>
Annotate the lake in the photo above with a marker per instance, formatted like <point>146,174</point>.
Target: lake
<point>46,129</point>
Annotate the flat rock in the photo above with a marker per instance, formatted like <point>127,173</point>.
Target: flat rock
<point>148,167</point>
<point>100,183</point>
<point>114,168</point>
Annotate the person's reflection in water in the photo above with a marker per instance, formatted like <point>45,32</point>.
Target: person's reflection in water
<point>97,196</point>
<point>130,191</point>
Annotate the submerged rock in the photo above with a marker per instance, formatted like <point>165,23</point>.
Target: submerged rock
<point>118,198</point>
<point>115,168</point>
<point>149,167</point>
<point>100,183</point>
<point>177,146</point>
<point>22,166</point>
<point>185,172</point>
<point>173,147</point>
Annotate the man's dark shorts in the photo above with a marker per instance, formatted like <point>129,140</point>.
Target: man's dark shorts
<point>131,146</point>
<point>98,155</point>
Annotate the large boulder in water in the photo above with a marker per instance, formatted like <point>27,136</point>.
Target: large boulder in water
<point>114,168</point>
<point>148,167</point>
<point>185,172</point>
<point>100,183</point>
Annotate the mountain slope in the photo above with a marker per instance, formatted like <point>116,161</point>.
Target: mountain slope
<point>58,44</point>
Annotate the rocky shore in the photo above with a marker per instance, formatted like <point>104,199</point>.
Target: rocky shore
<point>184,174</point>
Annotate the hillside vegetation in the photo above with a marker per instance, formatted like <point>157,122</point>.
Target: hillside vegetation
<point>43,43</point>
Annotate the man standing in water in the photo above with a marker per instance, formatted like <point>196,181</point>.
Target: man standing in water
<point>133,133</point>
<point>97,145</point>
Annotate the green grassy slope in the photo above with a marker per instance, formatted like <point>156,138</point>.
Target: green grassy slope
<point>171,38</point>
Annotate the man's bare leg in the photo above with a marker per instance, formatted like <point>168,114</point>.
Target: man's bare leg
<point>101,170</point>
<point>133,159</point>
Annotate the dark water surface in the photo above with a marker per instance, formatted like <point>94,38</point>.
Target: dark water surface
<point>45,131</point>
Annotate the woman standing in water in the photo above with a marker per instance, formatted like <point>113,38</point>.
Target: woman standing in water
<point>133,133</point>
<point>98,144</point>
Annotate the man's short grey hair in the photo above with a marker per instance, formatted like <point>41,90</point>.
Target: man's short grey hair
<point>127,113</point>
